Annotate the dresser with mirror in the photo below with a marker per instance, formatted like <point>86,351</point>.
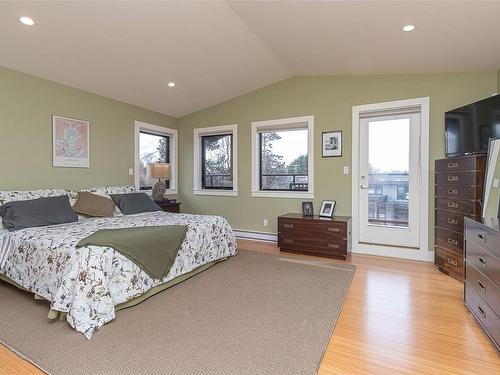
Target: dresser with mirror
<point>482,252</point>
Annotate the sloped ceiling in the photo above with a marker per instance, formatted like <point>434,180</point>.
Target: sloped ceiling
<point>217,50</point>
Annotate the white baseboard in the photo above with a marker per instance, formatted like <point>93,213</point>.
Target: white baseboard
<point>253,235</point>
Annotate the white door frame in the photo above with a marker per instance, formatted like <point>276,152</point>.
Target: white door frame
<point>423,253</point>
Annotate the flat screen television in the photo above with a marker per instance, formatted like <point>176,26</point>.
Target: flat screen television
<point>469,128</point>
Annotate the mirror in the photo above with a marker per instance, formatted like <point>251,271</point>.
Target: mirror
<point>491,199</point>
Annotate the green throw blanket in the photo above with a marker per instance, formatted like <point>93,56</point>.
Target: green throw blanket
<point>153,249</point>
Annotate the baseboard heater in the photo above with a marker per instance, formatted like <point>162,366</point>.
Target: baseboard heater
<point>259,236</point>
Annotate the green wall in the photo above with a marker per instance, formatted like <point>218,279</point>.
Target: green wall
<point>330,100</point>
<point>27,104</point>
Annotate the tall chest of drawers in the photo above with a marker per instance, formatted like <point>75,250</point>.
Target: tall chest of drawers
<point>458,193</point>
<point>482,274</point>
<point>314,235</point>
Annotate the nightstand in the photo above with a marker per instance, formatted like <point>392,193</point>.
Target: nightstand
<point>169,206</point>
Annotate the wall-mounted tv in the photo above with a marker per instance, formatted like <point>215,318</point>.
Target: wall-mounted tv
<point>469,128</point>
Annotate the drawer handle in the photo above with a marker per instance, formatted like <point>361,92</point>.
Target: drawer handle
<point>288,240</point>
<point>482,237</point>
<point>452,221</point>
<point>333,246</point>
<point>331,229</point>
<point>288,225</point>
<point>481,286</point>
<point>452,178</point>
<point>483,313</point>
<point>453,191</point>
<point>453,242</point>
<point>452,165</point>
<point>453,262</point>
<point>482,262</point>
<point>452,205</point>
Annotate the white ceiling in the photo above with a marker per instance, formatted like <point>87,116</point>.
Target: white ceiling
<point>217,50</point>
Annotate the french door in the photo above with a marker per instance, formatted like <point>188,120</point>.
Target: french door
<point>389,178</point>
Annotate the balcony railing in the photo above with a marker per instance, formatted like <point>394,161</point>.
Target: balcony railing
<point>284,181</point>
<point>217,181</point>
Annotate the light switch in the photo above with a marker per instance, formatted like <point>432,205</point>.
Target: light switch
<point>131,171</point>
<point>346,170</point>
<point>496,182</point>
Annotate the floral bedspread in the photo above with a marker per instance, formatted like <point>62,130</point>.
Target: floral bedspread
<point>87,283</point>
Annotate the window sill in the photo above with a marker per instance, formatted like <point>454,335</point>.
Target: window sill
<point>283,194</point>
<point>221,193</point>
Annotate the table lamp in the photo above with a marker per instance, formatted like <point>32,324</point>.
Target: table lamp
<point>159,171</point>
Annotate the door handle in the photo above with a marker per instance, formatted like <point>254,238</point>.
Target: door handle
<point>364,187</point>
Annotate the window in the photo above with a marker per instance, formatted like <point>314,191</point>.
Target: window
<point>154,144</point>
<point>215,164</point>
<point>376,189</point>
<point>153,148</point>
<point>402,192</point>
<point>281,166</point>
<point>217,161</point>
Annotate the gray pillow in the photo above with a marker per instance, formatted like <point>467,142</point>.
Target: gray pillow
<point>37,213</point>
<point>135,203</point>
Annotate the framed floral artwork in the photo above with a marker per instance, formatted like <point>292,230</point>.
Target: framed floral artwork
<point>70,142</point>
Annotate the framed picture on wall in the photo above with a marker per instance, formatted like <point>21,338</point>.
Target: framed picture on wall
<point>331,144</point>
<point>70,142</point>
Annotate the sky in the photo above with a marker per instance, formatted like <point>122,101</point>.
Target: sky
<point>149,143</point>
<point>389,145</point>
<point>292,144</point>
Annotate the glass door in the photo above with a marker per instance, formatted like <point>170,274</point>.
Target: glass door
<point>389,181</point>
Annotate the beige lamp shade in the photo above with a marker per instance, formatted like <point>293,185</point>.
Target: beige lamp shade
<point>159,170</point>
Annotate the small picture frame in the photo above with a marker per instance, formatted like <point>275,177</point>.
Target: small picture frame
<point>331,144</point>
<point>327,208</point>
<point>307,209</point>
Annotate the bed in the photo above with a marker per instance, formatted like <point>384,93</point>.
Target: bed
<point>89,284</point>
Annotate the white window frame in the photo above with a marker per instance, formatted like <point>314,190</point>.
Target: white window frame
<point>282,124</point>
<point>160,130</point>
<point>208,131</point>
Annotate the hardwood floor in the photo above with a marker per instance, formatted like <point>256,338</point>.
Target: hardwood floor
<point>400,317</point>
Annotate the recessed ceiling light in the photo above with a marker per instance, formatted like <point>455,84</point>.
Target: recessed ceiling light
<point>171,84</point>
<point>408,28</point>
<point>27,21</point>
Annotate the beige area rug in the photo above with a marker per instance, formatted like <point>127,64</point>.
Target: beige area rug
<point>255,313</point>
